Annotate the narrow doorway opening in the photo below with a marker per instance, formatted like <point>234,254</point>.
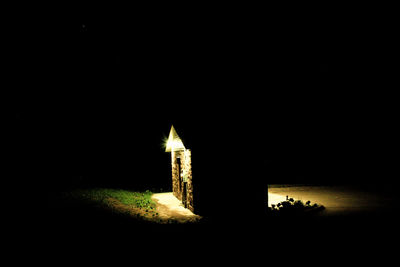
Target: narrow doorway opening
<point>182,183</point>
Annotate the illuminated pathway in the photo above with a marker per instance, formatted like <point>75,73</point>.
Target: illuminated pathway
<point>336,199</point>
<point>274,199</point>
<point>170,208</point>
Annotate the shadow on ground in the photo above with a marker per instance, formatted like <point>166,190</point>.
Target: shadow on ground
<point>72,227</point>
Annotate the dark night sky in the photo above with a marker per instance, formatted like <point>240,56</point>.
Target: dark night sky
<point>305,89</point>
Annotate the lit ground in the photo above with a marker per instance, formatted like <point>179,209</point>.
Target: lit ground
<point>274,199</point>
<point>336,199</point>
<point>170,208</point>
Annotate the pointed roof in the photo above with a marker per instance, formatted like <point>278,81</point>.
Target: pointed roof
<point>174,142</point>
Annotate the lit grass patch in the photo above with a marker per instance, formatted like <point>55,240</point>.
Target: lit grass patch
<point>138,204</point>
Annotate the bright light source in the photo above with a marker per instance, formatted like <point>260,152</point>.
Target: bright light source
<point>174,142</point>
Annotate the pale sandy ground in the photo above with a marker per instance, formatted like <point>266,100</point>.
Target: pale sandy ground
<point>336,199</point>
<point>170,208</point>
<point>275,198</point>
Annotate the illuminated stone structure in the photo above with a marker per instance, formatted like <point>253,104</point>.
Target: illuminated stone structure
<point>181,164</point>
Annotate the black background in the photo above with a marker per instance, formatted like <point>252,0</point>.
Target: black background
<point>306,90</point>
<point>271,94</point>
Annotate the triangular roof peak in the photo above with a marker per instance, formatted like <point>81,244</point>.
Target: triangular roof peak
<point>174,142</point>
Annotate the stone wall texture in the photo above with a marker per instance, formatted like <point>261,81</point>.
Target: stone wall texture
<point>181,175</point>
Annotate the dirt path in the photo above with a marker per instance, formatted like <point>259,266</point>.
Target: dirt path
<point>336,199</point>
<point>170,208</point>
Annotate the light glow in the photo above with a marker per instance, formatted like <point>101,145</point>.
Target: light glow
<point>174,142</point>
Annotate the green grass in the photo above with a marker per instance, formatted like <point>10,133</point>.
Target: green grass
<point>115,203</point>
<point>116,199</point>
